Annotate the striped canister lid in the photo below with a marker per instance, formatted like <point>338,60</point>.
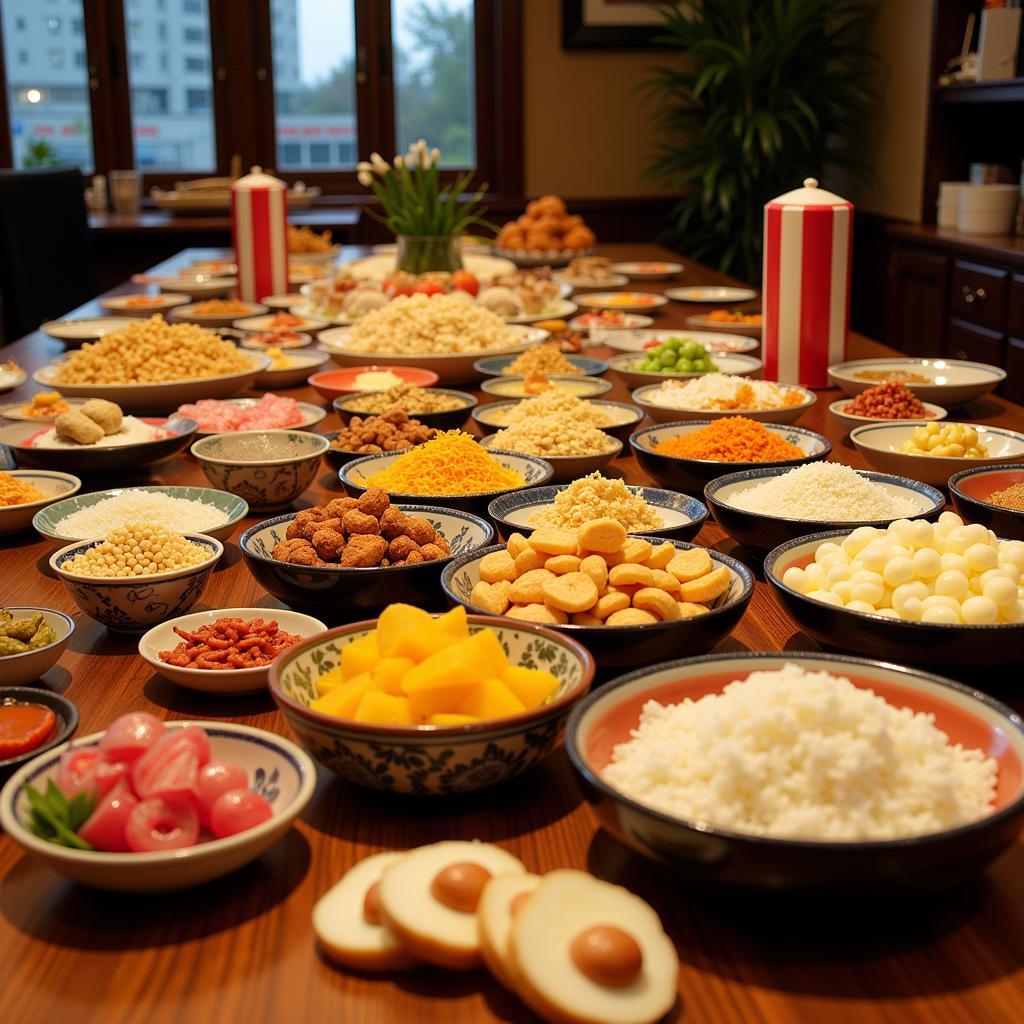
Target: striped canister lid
<point>259,230</point>
<point>808,237</point>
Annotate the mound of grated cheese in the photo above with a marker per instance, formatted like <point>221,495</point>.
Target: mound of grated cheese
<point>723,391</point>
<point>807,755</point>
<point>595,497</point>
<point>826,492</point>
<point>179,515</point>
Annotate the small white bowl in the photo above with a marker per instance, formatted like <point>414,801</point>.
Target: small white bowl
<point>850,421</point>
<point>278,769</point>
<point>880,445</point>
<point>950,382</point>
<point>189,315</point>
<point>56,486</point>
<point>223,681</point>
<point>199,286</point>
<point>293,376</point>
<point>131,604</point>
<point>25,668</point>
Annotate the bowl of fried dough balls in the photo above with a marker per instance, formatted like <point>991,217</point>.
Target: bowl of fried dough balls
<point>350,557</point>
<point>545,233</point>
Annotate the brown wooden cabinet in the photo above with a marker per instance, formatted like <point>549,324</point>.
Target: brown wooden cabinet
<point>918,284</point>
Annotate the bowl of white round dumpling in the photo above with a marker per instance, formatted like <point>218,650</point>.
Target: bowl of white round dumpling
<point>941,594</point>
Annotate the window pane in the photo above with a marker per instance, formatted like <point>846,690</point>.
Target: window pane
<point>435,77</point>
<point>169,75</point>
<point>47,84</point>
<point>314,83</point>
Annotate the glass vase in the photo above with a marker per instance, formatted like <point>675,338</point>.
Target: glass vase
<point>419,253</point>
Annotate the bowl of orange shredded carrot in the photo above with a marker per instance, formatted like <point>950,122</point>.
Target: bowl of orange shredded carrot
<point>687,455</point>
<point>451,470</point>
<point>23,492</point>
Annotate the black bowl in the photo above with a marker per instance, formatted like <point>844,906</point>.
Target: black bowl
<point>348,594</point>
<point>627,646</point>
<point>970,489</point>
<point>961,650</point>
<point>482,416</point>
<point>763,532</point>
<point>692,474</point>
<point>67,720</point>
<point>448,420</point>
<point>700,851</point>
<point>672,505</point>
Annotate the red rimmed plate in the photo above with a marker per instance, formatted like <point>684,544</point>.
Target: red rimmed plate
<point>335,383</point>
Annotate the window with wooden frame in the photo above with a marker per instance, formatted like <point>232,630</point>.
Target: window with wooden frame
<point>180,88</point>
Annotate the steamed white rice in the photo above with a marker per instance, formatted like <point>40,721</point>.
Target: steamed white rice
<point>806,755</point>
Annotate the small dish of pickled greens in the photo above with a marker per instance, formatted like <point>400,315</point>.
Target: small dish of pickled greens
<point>17,636</point>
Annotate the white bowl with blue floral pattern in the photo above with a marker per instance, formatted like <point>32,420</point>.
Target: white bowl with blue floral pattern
<point>276,768</point>
<point>270,481</point>
<point>131,604</point>
<point>430,759</point>
<point>350,592</point>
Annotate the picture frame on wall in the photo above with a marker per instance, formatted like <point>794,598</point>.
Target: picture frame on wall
<point>610,25</point>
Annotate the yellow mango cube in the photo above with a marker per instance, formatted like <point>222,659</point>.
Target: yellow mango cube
<point>329,680</point>
<point>388,673</point>
<point>492,652</point>
<point>532,686</point>
<point>491,699</point>
<point>395,621</point>
<point>382,708</point>
<point>454,623</point>
<point>446,678</point>
<point>360,656</point>
<point>421,641</point>
<point>342,701</point>
<point>451,718</point>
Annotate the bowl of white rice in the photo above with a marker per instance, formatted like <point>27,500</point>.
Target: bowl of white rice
<point>802,771</point>
<point>762,508</point>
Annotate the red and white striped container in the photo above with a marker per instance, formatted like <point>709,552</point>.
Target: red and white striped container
<point>808,238</point>
<point>259,230</point>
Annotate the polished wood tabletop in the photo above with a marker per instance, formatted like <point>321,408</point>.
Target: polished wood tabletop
<point>240,950</point>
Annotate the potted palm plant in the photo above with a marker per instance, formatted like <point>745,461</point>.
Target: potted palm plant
<point>428,216</point>
<point>765,95</point>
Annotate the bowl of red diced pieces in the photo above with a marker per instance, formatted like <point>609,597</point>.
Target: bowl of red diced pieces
<point>148,805</point>
<point>224,650</point>
<point>889,400</point>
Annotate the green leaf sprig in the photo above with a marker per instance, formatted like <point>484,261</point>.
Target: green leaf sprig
<point>57,819</point>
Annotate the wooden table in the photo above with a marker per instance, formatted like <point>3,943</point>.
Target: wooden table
<point>240,950</point>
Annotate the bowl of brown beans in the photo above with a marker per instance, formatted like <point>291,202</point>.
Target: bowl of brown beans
<point>224,650</point>
<point>889,400</point>
<point>441,408</point>
<point>392,431</point>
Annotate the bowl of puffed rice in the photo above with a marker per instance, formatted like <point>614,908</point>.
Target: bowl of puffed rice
<point>138,575</point>
<point>574,451</point>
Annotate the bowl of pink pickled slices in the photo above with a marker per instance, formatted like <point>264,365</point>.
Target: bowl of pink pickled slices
<point>149,805</point>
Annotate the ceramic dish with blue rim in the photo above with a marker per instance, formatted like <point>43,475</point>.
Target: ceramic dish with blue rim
<point>131,604</point>
<point>534,471</point>
<point>629,646</point>
<point>972,490</point>
<point>495,366</point>
<point>681,515</point>
<point>701,851</point>
<point>569,467</point>
<point>55,486</point>
<point>514,387</point>
<point>27,666</point>
<point>179,431</point>
<point>278,770</point>
<point>64,711</point>
<point>344,592</point>
<point>230,509</point>
<point>446,419</point>
<point>624,417</point>
<point>681,474</point>
<point>763,532</point>
<point>990,653</point>
<point>431,759</point>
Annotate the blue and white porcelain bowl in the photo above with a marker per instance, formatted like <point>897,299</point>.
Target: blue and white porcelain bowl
<point>681,515</point>
<point>763,532</point>
<point>570,467</point>
<point>430,759</point>
<point>268,481</point>
<point>133,604</point>
<point>583,366</point>
<point>277,769</point>
<point>24,668</point>
<point>683,474</point>
<point>345,593</point>
<point>534,471</point>
<point>623,416</point>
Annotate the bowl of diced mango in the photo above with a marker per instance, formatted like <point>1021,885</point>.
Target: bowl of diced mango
<point>431,704</point>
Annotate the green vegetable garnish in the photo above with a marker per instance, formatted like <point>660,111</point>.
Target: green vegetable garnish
<point>57,819</point>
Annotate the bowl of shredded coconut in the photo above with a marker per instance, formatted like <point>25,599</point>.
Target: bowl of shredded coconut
<point>802,771</point>
<point>763,508</point>
<point>723,394</point>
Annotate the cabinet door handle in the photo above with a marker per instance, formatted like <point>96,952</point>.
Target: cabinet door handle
<point>973,294</point>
